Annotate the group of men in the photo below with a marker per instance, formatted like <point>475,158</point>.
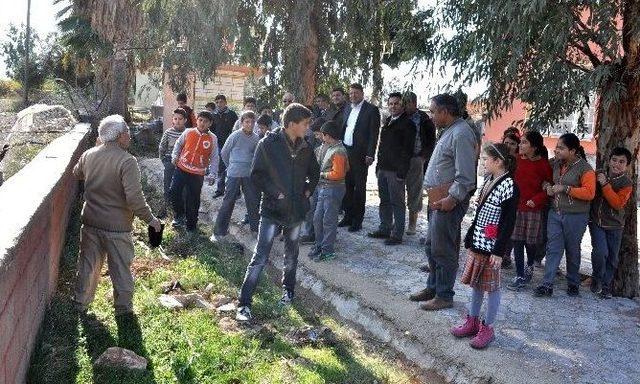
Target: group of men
<point>403,143</point>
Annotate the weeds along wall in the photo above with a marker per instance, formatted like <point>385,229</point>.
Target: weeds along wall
<point>34,210</point>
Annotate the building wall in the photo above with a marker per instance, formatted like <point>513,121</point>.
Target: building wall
<point>146,94</point>
<point>35,205</point>
<point>230,81</point>
<point>493,129</point>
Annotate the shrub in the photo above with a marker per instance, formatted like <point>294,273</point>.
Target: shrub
<point>9,87</point>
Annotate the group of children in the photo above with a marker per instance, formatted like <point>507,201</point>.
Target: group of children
<point>521,184</point>
<point>526,201</point>
<point>277,171</point>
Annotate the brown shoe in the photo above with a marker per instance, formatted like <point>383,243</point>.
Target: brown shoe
<point>424,295</point>
<point>436,304</point>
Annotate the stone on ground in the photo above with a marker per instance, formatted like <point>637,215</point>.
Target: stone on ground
<point>170,286</point>
<point>34,128</point>
<point>116,357</point>
<point>220,300</point>
<point>230,307</point>
<point>170,302</point>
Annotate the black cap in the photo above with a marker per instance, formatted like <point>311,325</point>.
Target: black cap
<point>206,114</point>
<point>331,128</point>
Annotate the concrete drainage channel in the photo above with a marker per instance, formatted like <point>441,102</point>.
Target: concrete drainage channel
<point>317,292</point>
<point>361,317</point>
<point>354,288</point>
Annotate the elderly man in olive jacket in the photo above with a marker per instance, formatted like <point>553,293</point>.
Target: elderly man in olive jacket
<point>113,196</point>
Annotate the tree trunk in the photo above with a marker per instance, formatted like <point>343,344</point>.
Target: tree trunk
<point>303,55</point>
<point>119,83</point>
<point>619,125</point>
<point>376,59</point>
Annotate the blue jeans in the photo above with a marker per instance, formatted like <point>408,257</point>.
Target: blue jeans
<point>234,184</point>
<point>325,218</point>
<point>564,233</point>
<point>266,233</point>
<point>442,247</point>
<point>308,226</point>
<point>392,208</point>
<point>604,256</point>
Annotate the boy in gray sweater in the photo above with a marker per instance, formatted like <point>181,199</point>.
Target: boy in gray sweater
<point>168,141</point>
<point>237,154</point>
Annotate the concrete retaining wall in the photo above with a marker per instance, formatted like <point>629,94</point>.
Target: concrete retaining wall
<point>34,210</point>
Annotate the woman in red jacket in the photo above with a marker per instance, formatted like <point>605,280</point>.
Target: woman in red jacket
<point>532,171</point>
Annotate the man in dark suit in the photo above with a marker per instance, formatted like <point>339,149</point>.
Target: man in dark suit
<point>397,142</point>
<point>361,127</point>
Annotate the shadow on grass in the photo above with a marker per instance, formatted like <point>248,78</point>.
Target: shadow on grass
<point>229,262</point>
<point>55,357</point>
<point>98,338</point>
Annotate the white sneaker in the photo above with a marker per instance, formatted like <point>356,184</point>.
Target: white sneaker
<point>244,314</point>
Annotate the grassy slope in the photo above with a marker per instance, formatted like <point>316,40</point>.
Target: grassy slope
<point>198,346</point>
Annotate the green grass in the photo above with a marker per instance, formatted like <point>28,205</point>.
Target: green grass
<point>198,346</point>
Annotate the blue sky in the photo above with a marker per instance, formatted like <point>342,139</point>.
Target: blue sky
<point>43,21</point>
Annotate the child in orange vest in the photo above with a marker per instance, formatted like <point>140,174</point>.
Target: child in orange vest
<point>195,155</point>
<point>607,220</point>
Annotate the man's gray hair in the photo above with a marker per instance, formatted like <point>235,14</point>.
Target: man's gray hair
<point>111,127</point>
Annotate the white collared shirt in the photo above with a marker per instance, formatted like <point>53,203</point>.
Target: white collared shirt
<point>351,123</point>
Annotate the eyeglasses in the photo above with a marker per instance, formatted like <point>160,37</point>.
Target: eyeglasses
<point>287,101</point>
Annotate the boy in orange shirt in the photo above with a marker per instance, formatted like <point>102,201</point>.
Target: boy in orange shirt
<point>607,220</point>
<point>195,155</point>
<point>332,157</point>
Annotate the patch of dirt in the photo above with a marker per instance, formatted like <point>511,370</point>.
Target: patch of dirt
<point>228,325</point>
<point>144,266</point>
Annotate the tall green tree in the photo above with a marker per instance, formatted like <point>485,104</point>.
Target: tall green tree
<point>298,45</point>
<point>302,45</point>
<point>555,55</point>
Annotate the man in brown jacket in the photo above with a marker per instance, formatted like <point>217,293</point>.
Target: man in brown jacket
<point>113,196</point>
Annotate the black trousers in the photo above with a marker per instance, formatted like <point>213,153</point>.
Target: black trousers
<point>193,185</point>
<point>354,199</point>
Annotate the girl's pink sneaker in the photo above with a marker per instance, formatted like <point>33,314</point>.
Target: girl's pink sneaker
<point>484,337</point>
<point>469,328</point>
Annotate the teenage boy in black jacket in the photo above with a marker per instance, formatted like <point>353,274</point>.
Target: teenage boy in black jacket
<point>286,171</point>
<point>397,141</point>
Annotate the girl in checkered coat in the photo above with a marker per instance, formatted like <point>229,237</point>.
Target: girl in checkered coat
<point>486,242</point>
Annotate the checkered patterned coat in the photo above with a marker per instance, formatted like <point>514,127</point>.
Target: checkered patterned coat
<point>495,217</point>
